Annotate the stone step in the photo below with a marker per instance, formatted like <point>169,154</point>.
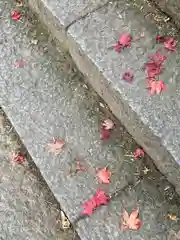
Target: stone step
<point>153,121</point>
<point>47,98</point>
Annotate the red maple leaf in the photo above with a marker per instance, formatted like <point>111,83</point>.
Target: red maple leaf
<point>124,41</point>
<point>138,153</point>
<point>56,146</point>
<point>170,44</point>
<point>100,198</point>
<point>19,158</point>
<point>156,86</point>
<point>131,221</point>
<point>108,124</point>
<point>104,133</point>
<point>160,38</point>
<point>154,67</point>
<point>15,15</point>
<point>104,175</point>
<point>128,76</point>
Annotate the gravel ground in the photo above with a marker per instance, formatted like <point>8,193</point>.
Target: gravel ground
<point>26,202</point>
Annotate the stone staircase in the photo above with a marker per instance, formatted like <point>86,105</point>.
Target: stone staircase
<point>48,98</point>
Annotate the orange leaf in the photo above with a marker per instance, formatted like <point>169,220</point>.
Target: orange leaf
<point>56,146</point>
<point>104,175</point>
<point>131,221</point>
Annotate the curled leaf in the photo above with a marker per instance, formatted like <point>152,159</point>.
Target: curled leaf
<point>104,134</point>
<point>19,158</point>
<point>108,124</point>
<point>128,76</point>
<point>56,146</point>
<point>104,175</point>
<point>124,41</point>
<point>15,15</point>
<point>155,66</point>
<point>100,198</point>
<point>138,153</point>
<point>170,44</point>
<point>131,221</point>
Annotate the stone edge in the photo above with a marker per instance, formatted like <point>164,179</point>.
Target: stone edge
<point>142,134</point>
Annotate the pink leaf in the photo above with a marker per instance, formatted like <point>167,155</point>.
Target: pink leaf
<point>104,134</point>
<point>128,76</point>
<point>138,153</point>
<point>100,198</point>
<point>156,87</point>
<point>108,124</point>
<point>131,221</point>
<point>170,44</point>
<point>19,158</point>
<point>154,67</point>
<point>56,146</point>
<point>20,63</point>
<point>124,41</point>
<point>104,175</point>
<point>15,15</point>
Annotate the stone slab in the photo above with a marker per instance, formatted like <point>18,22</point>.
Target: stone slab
<point>153,213</point>
<point>47,98</point>
<point>28,209</point>
<point>152,120</point>
<point>59,14</point>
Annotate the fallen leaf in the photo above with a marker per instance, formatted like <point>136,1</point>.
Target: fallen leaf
<point>172,217</point>
<point>128,76</point>
<point>100,198</point>
<point>56,146</point>
<point>79,168</point>
<point>124,41</point>
<point>170,44</point>
<point>15,15</point>
<point>156,87</point>
<point>20,63</point>
<point>104,175</point>
<point>131,221</point>
<point>155,66</point>
<point>104,134</point>
<point>108,124</point>
<point>138,153</point>
<point>17,157</point>
<point>160,38</point>
<point>145,170</point>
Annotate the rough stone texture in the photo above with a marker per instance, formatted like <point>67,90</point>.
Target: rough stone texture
<point>46,99</point>
<point>152,121</point>
<point>28,209</point>
<point>59,14</point>
<point>171,7</point>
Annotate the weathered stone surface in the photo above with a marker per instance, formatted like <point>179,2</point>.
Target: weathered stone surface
<point>105,223</point>
<point>59,14</point>
<point>28,209</point>
<point>171,7</point>
<point>152,121</point>
<point>47,99</point>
